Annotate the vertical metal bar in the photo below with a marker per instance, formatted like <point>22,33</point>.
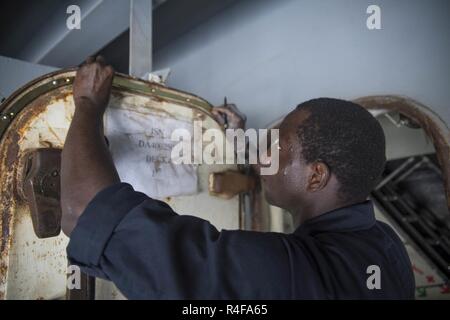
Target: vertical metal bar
<point>395,173</point>
<point>140,37</point>
<point>86,291</point>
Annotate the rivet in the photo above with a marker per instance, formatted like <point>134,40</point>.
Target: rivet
<point>67,80</point>
<point>5,117</point>
<point>11,114</point>
<point>188,99</point>
<point>153,90</point>
<point>54,82</point>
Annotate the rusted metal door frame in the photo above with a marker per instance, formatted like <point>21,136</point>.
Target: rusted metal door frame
<point>64,78</point>
<point>26,104</point>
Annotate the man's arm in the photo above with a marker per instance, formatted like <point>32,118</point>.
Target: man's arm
<point>141,244</point>
<point>87,166</point>
<point>150,252</point>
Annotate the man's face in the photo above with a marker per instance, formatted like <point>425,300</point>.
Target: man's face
<point>286,188</point>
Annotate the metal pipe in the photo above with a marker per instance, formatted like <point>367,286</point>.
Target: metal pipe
<point>394,173</point>
<point>140,37</point>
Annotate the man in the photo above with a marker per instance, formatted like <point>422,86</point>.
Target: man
<point>331,156</point>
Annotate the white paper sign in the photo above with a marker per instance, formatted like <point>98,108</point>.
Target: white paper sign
<point>141,145</point>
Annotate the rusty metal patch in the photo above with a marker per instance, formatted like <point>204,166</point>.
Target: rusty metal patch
<point>26,105</point>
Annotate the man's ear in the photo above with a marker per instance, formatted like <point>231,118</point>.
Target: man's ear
<point>318,177</point>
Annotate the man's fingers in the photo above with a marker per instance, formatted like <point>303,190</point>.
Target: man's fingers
<point>222,115</point>
<point>235,110</point>
<point>224,110</point>
<point>110,68</point>
<point>89,59</point>
<point>229,115</point>
<point>218,116</point>
<point>231,108</point>
<point>100,60</point>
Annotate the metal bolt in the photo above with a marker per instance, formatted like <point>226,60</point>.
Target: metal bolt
<point>55,173</point>
<point>188,99</point>
<point>5,117</point>
<point>67,80</point>
<point>153,90</point>
<point>54,82</point>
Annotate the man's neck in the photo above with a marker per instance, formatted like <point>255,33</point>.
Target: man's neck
<point>315,209</point>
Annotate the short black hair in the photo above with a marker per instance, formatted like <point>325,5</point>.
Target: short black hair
<point>348,139</point>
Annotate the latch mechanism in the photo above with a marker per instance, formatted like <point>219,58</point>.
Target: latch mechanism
<point>229,183</point>
<point>40,188</point>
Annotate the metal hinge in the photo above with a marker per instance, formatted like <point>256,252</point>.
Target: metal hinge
<point>230,183</point>
<point>40,188</point>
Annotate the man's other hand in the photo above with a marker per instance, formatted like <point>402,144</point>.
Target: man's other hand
<point>230,116</point>
<point>92,85</point>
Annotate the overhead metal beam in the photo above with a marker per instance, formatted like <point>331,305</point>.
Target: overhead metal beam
<point>56,45</point>
<point>140,37</point>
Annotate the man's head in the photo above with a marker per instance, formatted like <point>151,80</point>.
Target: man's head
<point>332,153</point>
